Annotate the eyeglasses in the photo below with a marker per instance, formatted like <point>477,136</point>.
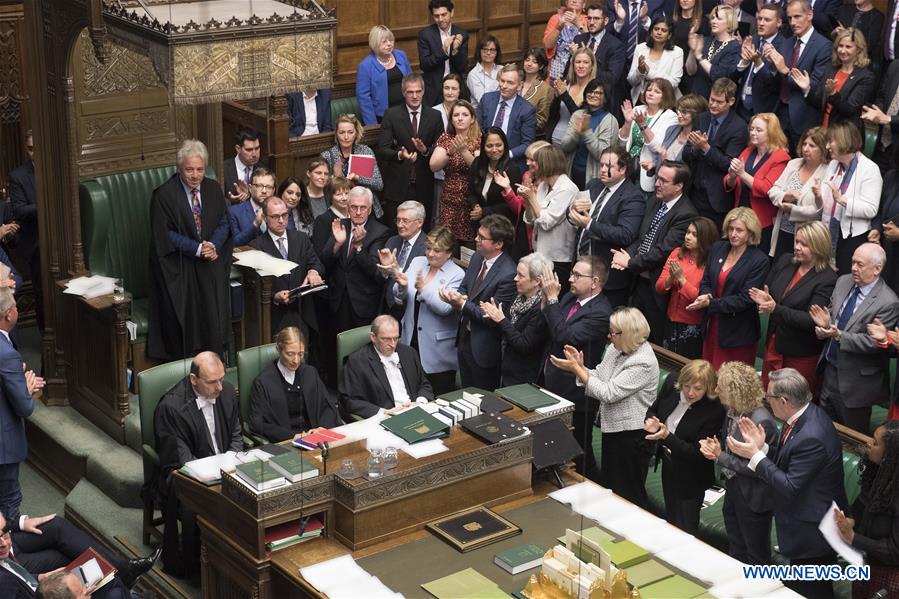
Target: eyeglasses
<point>282,216</point>
<point>358,208</point>
<point>576,275</point>
<point>769,397</point>
<point>479,238</point>
<point>489,50</point>
<point>263,186</point>
<point>595,92</point>
<point>406,221</point>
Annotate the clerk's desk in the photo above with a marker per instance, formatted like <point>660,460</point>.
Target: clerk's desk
<point>360,516</point>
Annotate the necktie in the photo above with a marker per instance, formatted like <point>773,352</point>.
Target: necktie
<point>262,227</point>
<point>404,253</point>
<point>784,85</point>
<point>20,572</point>
<point>633,29</point>
<point>500,114</point>
<point>592,44</point>
<point>246,175</point>
<point>583,246</point>
<point>282,248</point>
<point>573,311</point>
<point>195,208</point>
<point>653,228</point>
<point>479,281</point>
<point>414,123</point>
<point>842,321</point>
<point>785,434</point>
<point>713,128</point>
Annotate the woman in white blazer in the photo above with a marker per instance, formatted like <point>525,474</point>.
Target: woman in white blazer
<point>850,193</point>
<point>656,58</point>
<point>644,128</point>
<point>546,210</point>
<point>430,324</point>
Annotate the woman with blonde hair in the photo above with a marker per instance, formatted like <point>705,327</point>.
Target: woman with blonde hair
<point>716,55</point>
<point>752,174</point>
<point>379,77</point>
<point>747,507</point>
<point>570,92</point>
<point>625,383</point>
<point>793,191</point>
<point>684,414</point>
<point>735,265</point>
<point>348,135</point>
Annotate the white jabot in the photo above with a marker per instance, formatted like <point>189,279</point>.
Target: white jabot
<point>207,406</point>
<point>395,377</point>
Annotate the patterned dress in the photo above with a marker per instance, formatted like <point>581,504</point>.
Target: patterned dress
<point>454,207</point>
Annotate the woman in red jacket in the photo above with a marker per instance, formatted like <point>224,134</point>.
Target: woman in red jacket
<point>755,171</point>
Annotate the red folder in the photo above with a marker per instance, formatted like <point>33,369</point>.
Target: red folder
<point>364,166</point>
<point>105,567</point>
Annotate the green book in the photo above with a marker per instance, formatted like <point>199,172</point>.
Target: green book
<point>526,396</point>
<point>673,587</point>
<point>260,475</point>
<point>521,558</point>
<point>415,425</point>
<point>465,584</point>
<point>624,554</point>
<point>457,394</point>
<point>647,572</point>
<point>597,535</point>
<point>293,466</point>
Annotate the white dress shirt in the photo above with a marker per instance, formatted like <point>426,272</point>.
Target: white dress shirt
<point>311,114</point>
<point>244,172</point>
<point>395,377</point>
<point>677,414</point>
<point>207,406</point>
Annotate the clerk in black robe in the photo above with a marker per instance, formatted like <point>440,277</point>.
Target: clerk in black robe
<point>289,397</point>
<point>189,309</point>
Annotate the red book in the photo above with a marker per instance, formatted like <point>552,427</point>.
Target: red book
<point>311,441</point>
<point>92,568</point>
<point>364,166</point>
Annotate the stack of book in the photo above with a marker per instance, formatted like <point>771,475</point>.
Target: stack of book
<point>415,425</point>
<point>312,441</point>
<point>259,476</point>
<point>521,558</point>
<point>293,467</point>
<point>527,396</point>
<point>292,533</point>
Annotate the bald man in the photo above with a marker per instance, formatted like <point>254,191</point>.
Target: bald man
<point>197,418</point>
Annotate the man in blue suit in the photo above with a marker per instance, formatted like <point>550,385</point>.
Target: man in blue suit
<point>16,387</point>
<point>490,274</point>
<point>247,219</point>
<point>805,474</point>
<point>759,88</point>
<point>511,113</point>
<point>309,112</point>
<point>807,53</point>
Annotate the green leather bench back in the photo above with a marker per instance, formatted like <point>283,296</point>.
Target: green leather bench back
<point>345,106</point>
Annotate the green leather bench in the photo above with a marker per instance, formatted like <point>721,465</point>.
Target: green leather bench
<point>345,106</point>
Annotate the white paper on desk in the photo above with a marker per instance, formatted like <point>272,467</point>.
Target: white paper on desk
<point>579,494</point>
<point>747,587</point>
<point>210,468</point>
<point>610,507</point>
<point>703,562</point>
<point>90,287</point>
<point>263,263</point>
<point>641,525</point>
<point>342,577</point>
<point>828,528</point>
<point>563,403</point>
<point>656,538</point>
<point>425,448</point>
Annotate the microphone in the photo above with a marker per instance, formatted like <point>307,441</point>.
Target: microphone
<point>323,446</point>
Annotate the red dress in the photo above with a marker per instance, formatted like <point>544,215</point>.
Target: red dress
<point>454,207</point>
<point>711,350</point>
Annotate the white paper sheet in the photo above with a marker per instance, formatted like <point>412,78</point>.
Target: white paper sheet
<point>263,263</point>
<point>90,287</point>
<point>828,528</point>
<point>703,562</point>
<point>343,578</point>
<point>425,448</point>
<point>210,468</point>
<point>579,494</point>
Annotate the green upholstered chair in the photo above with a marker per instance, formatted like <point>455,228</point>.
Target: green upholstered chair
<point>250,362</point>
<point>348,342</point>
<point>345,106</point>
<point>154,383</point>
<point>870,141</point>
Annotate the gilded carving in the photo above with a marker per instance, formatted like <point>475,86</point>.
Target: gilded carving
<point>124,71</point>
<point>277,500</point>
<point>11,84</point>
<point>238,69</point>
<point>184,122</point>
<point>132,124</point>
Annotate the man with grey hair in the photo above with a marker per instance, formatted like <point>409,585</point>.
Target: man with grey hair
<point>384,376</point>
<point>804,473</point>
<point>400,249</point>
<point>856,367</point>
<point>408,134</point>
<point>190,257</point>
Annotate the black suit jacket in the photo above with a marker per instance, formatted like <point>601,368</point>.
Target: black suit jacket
<point>889,83</point>
<point>587,330</point>
<point>790,320</point>
<point>432,60</point>
<point>764,83</point>
<point>269,415</point>
<point>670,235</point>
<point>417,249</point>
<point>709,168</point>
<point>889,212</point>
<point>498,284</point>
<point>616,227</point>
<point>846,104</point>
<point>738,317</point>
<point>230,176</point>
<point>364,386</point>
<point>356,275</point>
<point>24,207</point>
<point>396,133</point>
<point>299,250</point>
<point>523,346</point>
<point>691,472</point>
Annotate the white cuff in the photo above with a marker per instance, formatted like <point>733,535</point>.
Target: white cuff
<point>22,519</point>
<point>756,458</point>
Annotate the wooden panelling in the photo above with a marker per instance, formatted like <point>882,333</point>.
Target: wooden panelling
<point>348,59</point>
<point>510,41</point>
<point>505,8</point>
<point>354,17</point>
<point>536,35</point>
<point>550,5</point>
<point>407,13</point>
<point>466,9</point>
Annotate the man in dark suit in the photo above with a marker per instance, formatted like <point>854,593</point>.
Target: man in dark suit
<point>197,418</point>
<point>190,260</point>
<point>442,49</point>
<point>719,137</point>
<point>309,112</point>
<point>632,18</point>
<point>759,87</point>
<point>824,11</point>
<point>805,474</point>
<point>289,244</point>
<point>490,275</point>
<point>408,134</point>
<point>809,52</point>
<point>350,256</point>
<point>246,218</point>
<point>385,375</point>
<point>239,169</point>
<point>510,112</point>
<point>884,112</point>
<point>16,404</point>
<point>408,243</point>
<point>23,200</point>
<point>608,49</point>
<point>856,369</point>
<point>664,225</point>
<point>609,219</point>
<point>581,319</point>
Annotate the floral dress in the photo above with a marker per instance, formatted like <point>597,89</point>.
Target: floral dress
<point>454,207</point>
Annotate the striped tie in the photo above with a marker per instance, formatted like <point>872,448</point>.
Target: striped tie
<point>633,29</point>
